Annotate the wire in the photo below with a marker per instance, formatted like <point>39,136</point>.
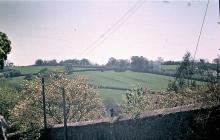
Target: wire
<point>201,29</point>
<point>114,27</point>
<point>219,7</point>
<point>114,30</point>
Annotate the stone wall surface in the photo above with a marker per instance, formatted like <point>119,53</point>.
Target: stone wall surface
<point>186,122</point>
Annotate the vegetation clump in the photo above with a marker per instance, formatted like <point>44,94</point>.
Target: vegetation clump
<point>141,99</point>
<point>82,103</point>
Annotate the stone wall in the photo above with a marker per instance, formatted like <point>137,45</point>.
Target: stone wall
<point>186,122</point>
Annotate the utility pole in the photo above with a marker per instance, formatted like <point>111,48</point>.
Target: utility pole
<point>64,114</point>
<point>44,106</point>
<point>218,71</point>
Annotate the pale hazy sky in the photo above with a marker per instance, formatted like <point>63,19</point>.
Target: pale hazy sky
<point>62,30</point>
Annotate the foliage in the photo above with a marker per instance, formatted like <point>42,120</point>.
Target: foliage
<point>173,86</point>
<point>28,77</point>
<point>141,99</point>
<point>76,62</point>
<point>12,73</point>
<point>39,62</point>
<point>5,48</point>
<point>68,67</point>
<point>171,62</point>
<point>9,98</point>
<point>140,64</point>
<point>82,102</point>
<point>119,65</point>
<point>213,84</point>
<point>186,69</point>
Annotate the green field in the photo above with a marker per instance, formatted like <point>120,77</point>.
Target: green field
<point>124,80</point>
<point>36,69</point>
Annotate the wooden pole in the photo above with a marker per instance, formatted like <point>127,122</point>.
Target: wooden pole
<point>64,115</point>
<point>44,106</point>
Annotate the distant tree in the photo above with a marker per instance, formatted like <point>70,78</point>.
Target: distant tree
<point>203,66</point>
<point>5,48</point>
<point>39,62</point>
<point>51,62</point>
<point>123,64</point>
<point>76,62</point>
<point>139,63</point>
<point>68,67</point>
<point>160,59</point>
<point>85,62</point>
<point>70,61</point>
<point>158,63</point>
<point>112,62</point>
<point>216,60</point>
<point>171,63</point>
<point>186,68</point>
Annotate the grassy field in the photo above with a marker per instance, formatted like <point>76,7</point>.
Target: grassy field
<point>111,95</point>
<point>123,80</point>
<point>36,69</point>
<point>113,79</point>
<point>126,79</point>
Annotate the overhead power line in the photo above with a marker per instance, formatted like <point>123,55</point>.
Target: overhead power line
<point>113,28</point>
<point>201,29</point>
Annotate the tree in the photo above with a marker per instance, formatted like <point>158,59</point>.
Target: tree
<point>5,48</point>
<point>123,64</point>
<point>50,62</point>
<point>39,62</point>
<point>111,62</point>
<point>83,103</point>
<point>202,66</point>
<point>68,67</point>
<point>186,68</point>
<point>118,64</point>
<point>139,63</point>
<point>85,62</point>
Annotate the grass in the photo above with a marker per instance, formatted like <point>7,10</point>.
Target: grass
<point>126,79</point>
<point>36,69</point>
<point>123,80</point>
<point>111,95</point>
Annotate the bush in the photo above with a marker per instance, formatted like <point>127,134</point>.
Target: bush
<point>141,99</point>
<point>83,103</point>
<point>12,73</point>
<point>8,99</point>
<point>28,77</point>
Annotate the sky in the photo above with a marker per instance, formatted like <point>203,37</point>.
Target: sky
<point>100,29</point>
